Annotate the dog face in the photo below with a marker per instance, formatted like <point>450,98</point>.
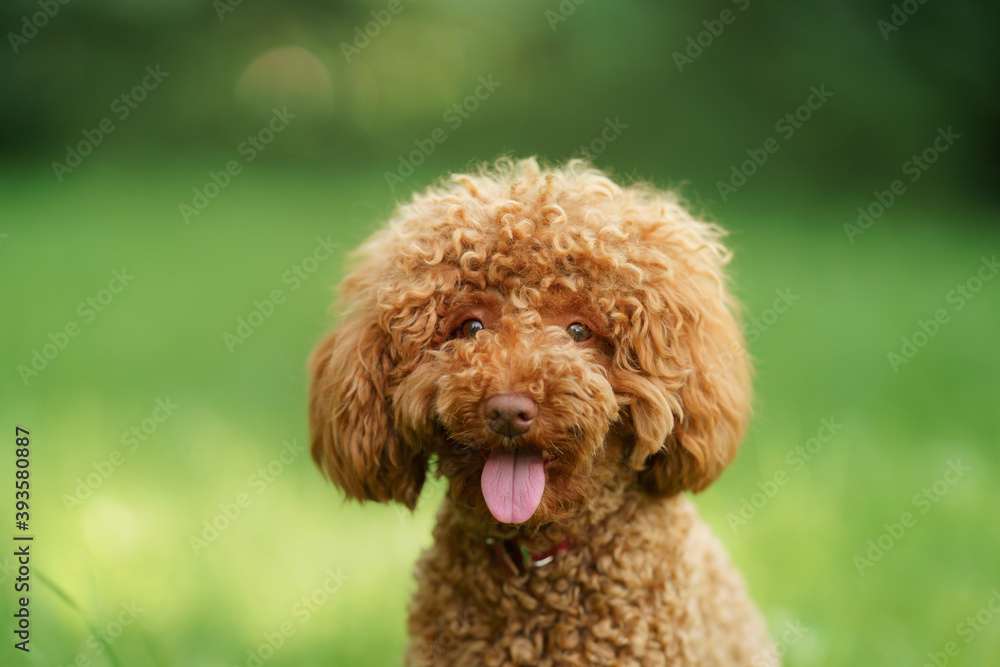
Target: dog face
<point>547,336</point>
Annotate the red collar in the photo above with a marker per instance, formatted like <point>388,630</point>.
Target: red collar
<point>515,558</point>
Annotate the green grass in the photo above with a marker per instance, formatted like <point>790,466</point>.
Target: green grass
<point>162,336</point>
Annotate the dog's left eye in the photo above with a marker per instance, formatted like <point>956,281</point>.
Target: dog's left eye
<point>580,333</point>
<point>469,329</point>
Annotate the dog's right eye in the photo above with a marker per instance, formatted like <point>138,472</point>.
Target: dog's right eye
<point>579,332</point>
<point>469,329</point>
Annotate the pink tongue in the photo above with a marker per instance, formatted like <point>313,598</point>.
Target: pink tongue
<point>513,484</point>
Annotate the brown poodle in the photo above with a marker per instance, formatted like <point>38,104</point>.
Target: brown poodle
<point>565,351</point>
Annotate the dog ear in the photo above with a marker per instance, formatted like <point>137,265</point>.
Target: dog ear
<point>354,440</point>
<point>692,402</point>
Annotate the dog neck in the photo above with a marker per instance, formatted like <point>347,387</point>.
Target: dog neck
<point>514,558</point>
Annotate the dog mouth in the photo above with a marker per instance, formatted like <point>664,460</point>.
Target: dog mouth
<point>514,474</point>
<point>513,482</point>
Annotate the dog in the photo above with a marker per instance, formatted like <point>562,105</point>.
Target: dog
<point>564,351</point>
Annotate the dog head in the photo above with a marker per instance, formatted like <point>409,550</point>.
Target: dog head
<point>546,335</point>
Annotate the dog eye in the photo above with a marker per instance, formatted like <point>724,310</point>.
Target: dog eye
<point>469,329</point>
<point>580,333</point>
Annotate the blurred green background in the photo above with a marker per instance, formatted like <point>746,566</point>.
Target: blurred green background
<point>171,168</point>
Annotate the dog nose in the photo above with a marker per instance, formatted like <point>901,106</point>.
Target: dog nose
<point>510,414</point>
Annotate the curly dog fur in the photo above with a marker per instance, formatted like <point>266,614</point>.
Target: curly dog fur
<point>605,310</point>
